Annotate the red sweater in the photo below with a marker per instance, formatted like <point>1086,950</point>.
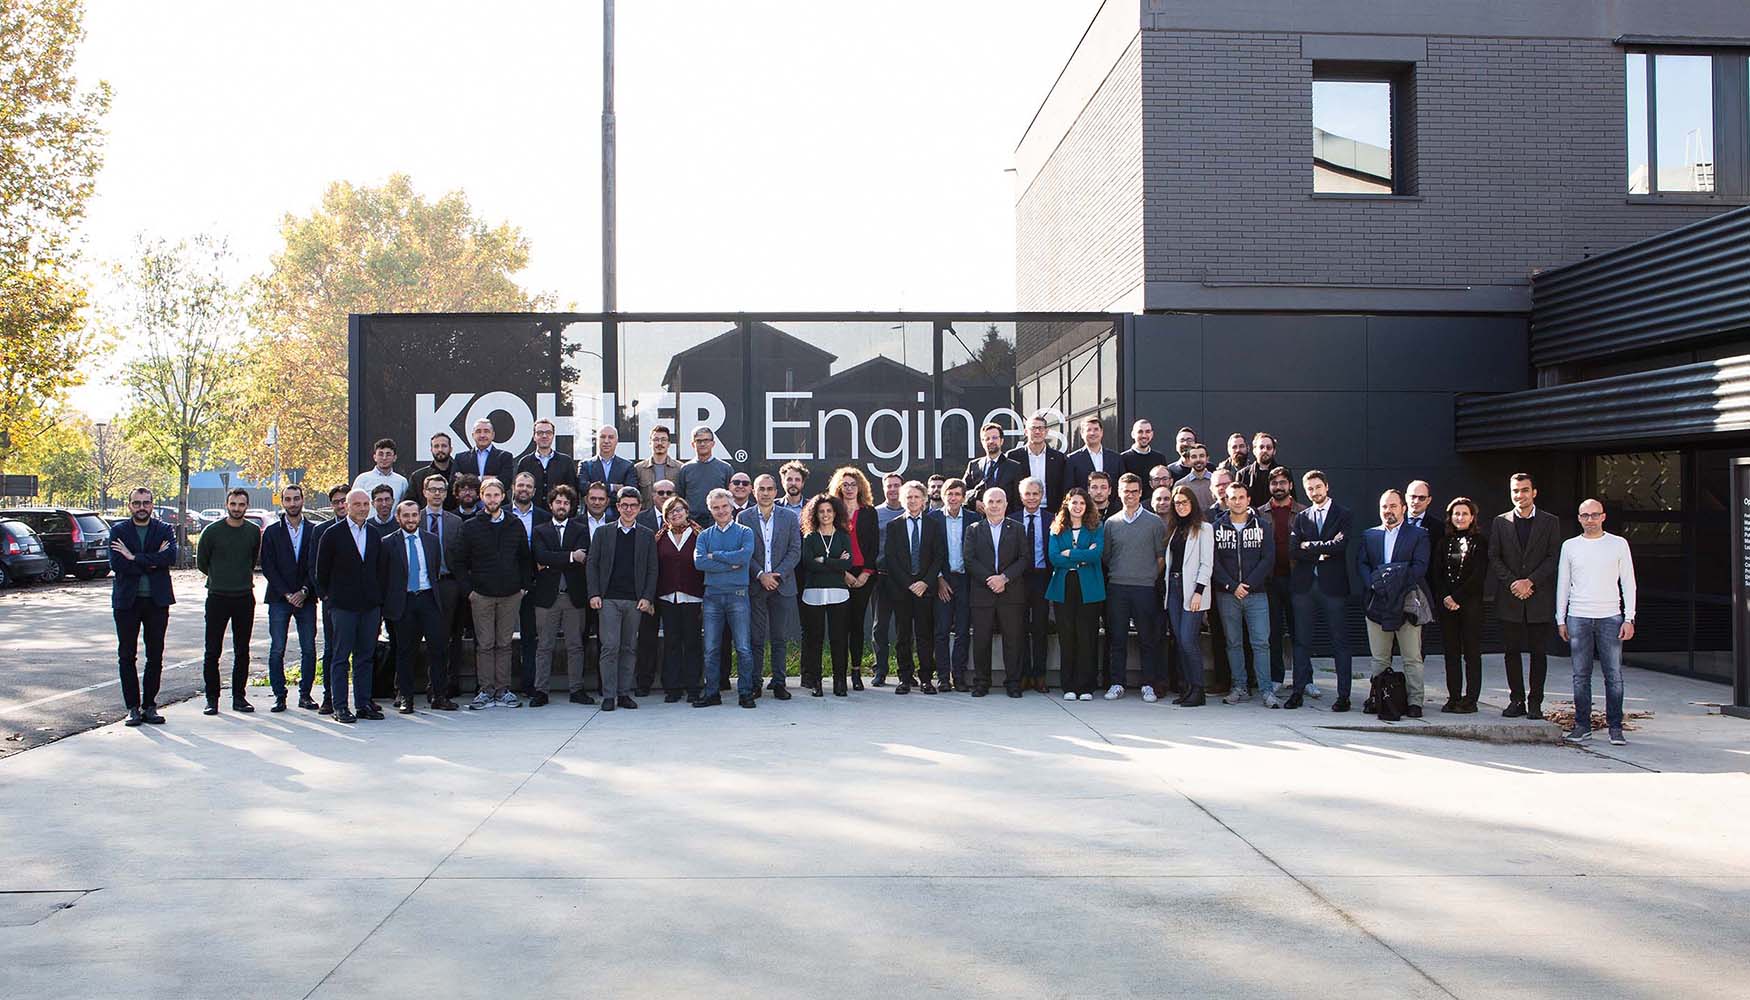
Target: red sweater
<point>675,572</point>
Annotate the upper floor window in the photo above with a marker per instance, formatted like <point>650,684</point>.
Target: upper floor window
<point>1687,113</point>
<point>1362,129</point>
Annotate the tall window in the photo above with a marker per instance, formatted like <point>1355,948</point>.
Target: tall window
<point>1686,116</point>
<point>1363,127</point>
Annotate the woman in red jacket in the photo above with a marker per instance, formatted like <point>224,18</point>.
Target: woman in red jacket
<point>851,487</point>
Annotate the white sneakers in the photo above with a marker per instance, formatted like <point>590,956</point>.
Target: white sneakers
<point>1269,699</point>
<point>1148,694</point>
<point>1237,695</point>
<point>481,700</point>
<point>1115,692</point>
<point>508,700</point>
<point>1085,696</point>
<point>1312,690</point>
<point>1069,696</point>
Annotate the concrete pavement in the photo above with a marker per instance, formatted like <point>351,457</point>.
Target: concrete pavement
<point>876,846</point>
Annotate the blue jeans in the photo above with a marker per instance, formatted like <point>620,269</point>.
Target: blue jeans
<point>1308,607</point>
<point>279,616</point>
<point>1596,638</point>
<point>954,625</point>
<point>1126,604</point>
<point>1187,629</point>
<point>1244,621</point>
<point>731,609</point>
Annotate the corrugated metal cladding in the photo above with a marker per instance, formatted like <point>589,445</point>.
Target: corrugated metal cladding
<point>1675,404</point>
<point>1672,289</point>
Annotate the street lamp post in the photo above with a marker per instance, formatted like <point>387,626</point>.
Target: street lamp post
<point>100,438</point>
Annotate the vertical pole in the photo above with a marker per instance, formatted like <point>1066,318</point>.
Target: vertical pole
<point>609,270</point>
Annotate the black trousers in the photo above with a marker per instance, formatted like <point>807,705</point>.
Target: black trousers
<point>914,619</point>
<point>649,653</point>
<point>1035,616</point>
<point>857,612</point>
<point>236,612</point>
<point>1173,658</point>
<point>1463,651</point>
<point>834,625</point>
<point>451,612</point>
<point>1007,619</point>
<point>683,648</point>
<point>1281,597</point>
<point>1520,638</point>
<point>1078,638</point>
<point>423,618</point>
<point>153,618</point>
<point>524,667</point>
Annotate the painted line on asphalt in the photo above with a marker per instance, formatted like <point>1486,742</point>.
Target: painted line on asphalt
<point>9,710</point>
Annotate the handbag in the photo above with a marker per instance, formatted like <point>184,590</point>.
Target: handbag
<point>1390,696</point>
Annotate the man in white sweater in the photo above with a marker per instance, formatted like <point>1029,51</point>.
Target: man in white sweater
<point>1595,613</point>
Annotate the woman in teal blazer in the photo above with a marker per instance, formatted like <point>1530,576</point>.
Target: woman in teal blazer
<point>1078,588</point>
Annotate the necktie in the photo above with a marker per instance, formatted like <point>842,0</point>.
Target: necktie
<point>1033,538</point>
<point>1319,518</point>
<point>559,529</point>
<point>914,544</point>
<point>412,563</point>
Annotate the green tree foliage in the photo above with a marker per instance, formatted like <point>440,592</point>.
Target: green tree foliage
<point>186,322</point>
<point>51,147</point>
<point>364,250</point>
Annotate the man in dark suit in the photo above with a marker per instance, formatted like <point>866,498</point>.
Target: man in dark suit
<point>288,561</point>
<point>954,589</point>
<point>1319,585</point>
<point>773,619</point>
<point>1405,546</point>
<point>337,507</point>
<point>1034,519</point>
<point>1041,461</point>
<point>415,558</point>
<point>1091,457</point>
<point>911,568</point>
<point>486,459</point>
<point>608,467</point>
<point>1420,496</point>
<point>1524,552</point>
<point>524,509</point>
<point>996,560</point>
<point>141,554</point>
<point>561,548</point>
<point>352,574</point>
<point>452,603</point>
<point>549,466</point>
<point>992,469</point>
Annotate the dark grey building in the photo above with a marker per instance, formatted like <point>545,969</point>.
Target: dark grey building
<point>1334,221</point>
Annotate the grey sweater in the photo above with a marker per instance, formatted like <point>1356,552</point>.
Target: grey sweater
<point>1133,550</point>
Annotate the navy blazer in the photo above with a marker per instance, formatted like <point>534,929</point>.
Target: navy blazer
<point>151,563</point>
<point>1323,561</point>
<point>1004,475</point>
<point>561,470</point>
<point>1079,465</point>
<point>347,582</point>
<point>395,560</point>
<point>1411,548</point>
<point>287,573</point>
<point>498,463</point>
<point>615,472</point>
<point>1056,475</point>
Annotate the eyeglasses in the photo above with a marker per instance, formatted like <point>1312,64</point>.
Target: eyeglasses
<point>740,482</point>
<point>1591,517</point>
<point>665,493</point>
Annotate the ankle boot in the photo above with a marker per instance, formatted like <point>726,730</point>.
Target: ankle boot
<point>1194,698</point>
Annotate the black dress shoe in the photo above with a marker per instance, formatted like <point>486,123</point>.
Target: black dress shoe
<point>816,691</point>
<point>1195,698</point>
<point>440,704</point>
<point>782,694</point>
<point>404,706</point>
<point>1414,712</point>
<point>1514,710</point>
<point>1340,705</point>
<point>1534,710</point>
<point>582,698</point>
<point>608,705</point>
<point>1295,700</point>
<point>625,701</point>
<point>307,703</point>
<point>211,709</point>
<point>641,692</point>
<point>880,679</point>
<point>149,713</point>
<point>839,690</point>
<point>857,681</point>
<point>961,687</point>
<point>279,705</point>
<point>371,712</point>
<point>537,699</point>
<point>980,692</point>
<point>927,688</point>
<point>1014,692</point>
<point>1451,706</point>
<point>327,708</point>
<point>133,718</point>
<point>748,701</point>
<point>1466,707</point>
<point>711,700</point>
<point>904,687</point>
<point>241,705</point>
<point>673,696</point>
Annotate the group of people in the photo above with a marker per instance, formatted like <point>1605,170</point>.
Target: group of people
<point>672,565</point>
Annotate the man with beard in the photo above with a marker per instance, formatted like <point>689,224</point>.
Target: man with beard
<point>794,477</point>
<point>1238,455</point>
<point>1182,442</point>
<point>441,465</point>
<point>1100,492</point>
<point>661,465</point>
<point>1257,473</point>
<point>1280,512</point>
<point>522,507</point>
<point>1140,458</point>
<point>993,469</point>
<point>1198,477</point>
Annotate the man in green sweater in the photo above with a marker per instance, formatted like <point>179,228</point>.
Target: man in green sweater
<point>226,556</point>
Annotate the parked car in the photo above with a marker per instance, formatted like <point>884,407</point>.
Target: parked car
<point>211,514</point>
<point>76,539</point>
<point>168,515</point>
<point>21,554</point>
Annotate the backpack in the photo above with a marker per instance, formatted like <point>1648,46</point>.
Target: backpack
<point>1391,696</point>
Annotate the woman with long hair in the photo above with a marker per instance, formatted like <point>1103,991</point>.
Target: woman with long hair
<point>1190,560</point>
<point>826,598</point>
<point>1460,566</point>
<point>1078,588</point>
<point>680,595</point>
<point>851,488</point>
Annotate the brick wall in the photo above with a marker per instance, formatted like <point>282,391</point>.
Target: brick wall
<point>1078,225</point>
<point>1520,165</point>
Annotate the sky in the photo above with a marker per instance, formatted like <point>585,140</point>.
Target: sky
<point>795,155</point>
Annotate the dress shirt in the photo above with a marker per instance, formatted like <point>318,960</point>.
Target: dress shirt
<point>1036,530</point>
<point>559,530</point>
<point>766,535</point>
<point>528,519</point>
<point>1390,542</point>
<point>956,537</point>
<point>914,532</point>
<point>434,523</point>
<point>996,540</point>
<point>296,536</point>
<point>417,578</point>
<point>358,535</point>
<point>1036,464</point>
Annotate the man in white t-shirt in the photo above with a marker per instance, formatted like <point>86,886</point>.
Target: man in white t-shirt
<point>383,473</point>
<point>1595,613</point>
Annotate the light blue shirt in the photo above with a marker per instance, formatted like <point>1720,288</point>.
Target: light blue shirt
<point>996,539</point>
<point>528,519</point>
<point>297,538</point>
<point>358,535</point>
<point>1041,529</point>
<point>956,537</point>
<point>1390,542</point>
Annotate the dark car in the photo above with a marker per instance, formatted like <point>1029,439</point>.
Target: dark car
<point>21,554</point>
<point>77,540</point>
